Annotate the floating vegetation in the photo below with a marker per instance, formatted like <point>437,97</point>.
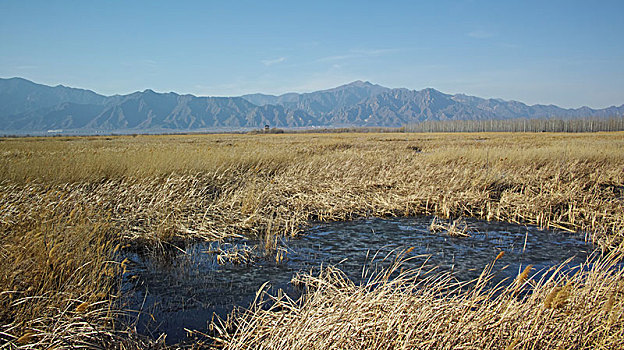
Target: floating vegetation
<point>456,228</point>
<point>235,254</point>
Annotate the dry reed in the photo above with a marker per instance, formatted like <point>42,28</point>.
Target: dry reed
<point>456,228</point>
<point>420,310</point>
<point>67,205</point>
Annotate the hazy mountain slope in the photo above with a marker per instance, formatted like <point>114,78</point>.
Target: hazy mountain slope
<point>320,103</point>
<point>41,108</point>
<point>263,99</point>
<point>513,109</point>
<point>144,110</point>
<point>364,104</point>
<point>149,110</point>
<point>402,106</point>
<point>66,115</point>
<point>19,95</point>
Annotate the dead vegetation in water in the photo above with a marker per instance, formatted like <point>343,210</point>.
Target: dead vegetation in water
<point>67,205</point>
<point>455,228</point>
<point>233,254</point>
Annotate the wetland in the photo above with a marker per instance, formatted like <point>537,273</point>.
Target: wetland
<point>77,215</point>
<point>189,286</point>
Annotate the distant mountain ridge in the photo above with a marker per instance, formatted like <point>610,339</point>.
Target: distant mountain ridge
<point>19,95</point>
<point>26,106</point>
<point>383,106</point>
<point>324,101</point>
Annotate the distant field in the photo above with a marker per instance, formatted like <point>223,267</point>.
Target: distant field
<point>68,204</point>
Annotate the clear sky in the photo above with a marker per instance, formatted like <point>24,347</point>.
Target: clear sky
<point>569,53</point>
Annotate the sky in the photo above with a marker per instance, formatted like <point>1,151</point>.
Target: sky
<point>568,53</point>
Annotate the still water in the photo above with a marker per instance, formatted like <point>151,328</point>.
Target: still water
<point>186,287</point>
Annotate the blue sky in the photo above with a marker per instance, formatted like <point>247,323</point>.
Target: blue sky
<point>569,53</point>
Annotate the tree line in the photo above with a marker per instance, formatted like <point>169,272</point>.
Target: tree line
<point>521,125</point>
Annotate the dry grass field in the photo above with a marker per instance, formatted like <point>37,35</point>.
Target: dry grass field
<point>68,205</point>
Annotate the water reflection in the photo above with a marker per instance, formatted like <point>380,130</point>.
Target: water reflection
<point>184,289</point>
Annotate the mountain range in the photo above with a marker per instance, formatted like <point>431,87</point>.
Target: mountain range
<point>29,107</point>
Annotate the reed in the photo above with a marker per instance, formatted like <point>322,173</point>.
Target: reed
<point>218,186</point>
<point>417,309</point>
<point>456,228</point>
<point>58,282</point>
<point>68,205</point>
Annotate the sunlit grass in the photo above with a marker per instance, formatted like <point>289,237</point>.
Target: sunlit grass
<point>419,309</point>
<point>67,204</point>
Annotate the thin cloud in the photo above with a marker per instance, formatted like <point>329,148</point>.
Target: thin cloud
<point>480,34</point>
<point>337,58</point>
<point>358,53</point>
<point>273,61</point>
<point>140,63</point>
<point>376,52</point>
<point>27,67</point>
<point>510,46</point>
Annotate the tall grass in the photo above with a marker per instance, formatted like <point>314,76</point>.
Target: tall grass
<point>416,309</point>
<point>66,204</point>
<point>57,282</point>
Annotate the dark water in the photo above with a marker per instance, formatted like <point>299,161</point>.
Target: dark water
<point>184,289</point>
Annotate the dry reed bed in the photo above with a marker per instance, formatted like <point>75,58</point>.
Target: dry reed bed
<point>66,205</point>
<point>217,186</point>
<point>58,282</point>
<point>419,310</point>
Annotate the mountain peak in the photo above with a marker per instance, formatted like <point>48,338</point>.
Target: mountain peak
<point>17,79</point>
<point>359,83</point>
<point>432,91</point>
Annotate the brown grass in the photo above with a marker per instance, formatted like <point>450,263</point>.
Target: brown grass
<point>68,204</point>
<point>420,310</point>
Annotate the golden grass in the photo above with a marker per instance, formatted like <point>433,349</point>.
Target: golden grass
<point>67,204</point>
<point>419,310</point>
<point>58,282</point>
<point>219,185</point>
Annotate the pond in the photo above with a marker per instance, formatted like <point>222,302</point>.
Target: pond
<point>183,289</point>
